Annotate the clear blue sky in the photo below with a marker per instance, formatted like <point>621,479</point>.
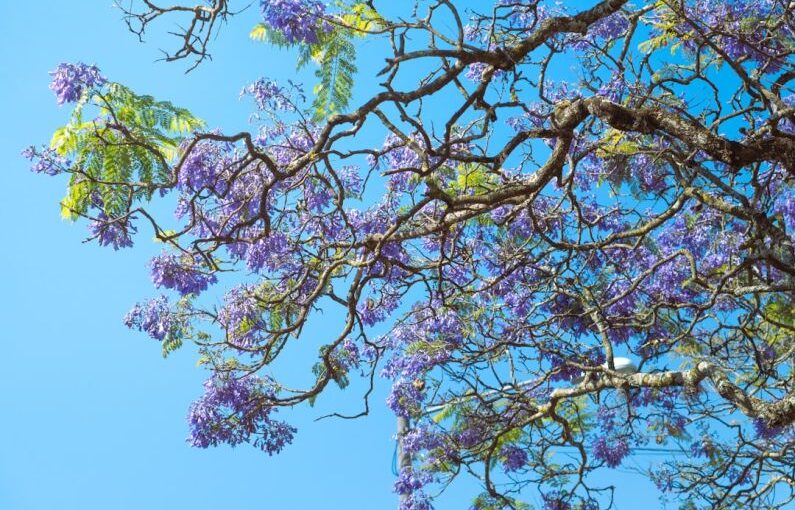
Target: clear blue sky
<point>92,416</point>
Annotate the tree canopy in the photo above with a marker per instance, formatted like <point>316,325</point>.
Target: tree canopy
<point>555,187</point>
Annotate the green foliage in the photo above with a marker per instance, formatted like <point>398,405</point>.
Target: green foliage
<point>180,330</point>
<point>171,344</point>
<point>334,54</point>
<point>473,179</point>
<point>123,153</point>
<point>666,29</point>
<point>338,372</point>
<point>778,328</point>
<point>335,73</point>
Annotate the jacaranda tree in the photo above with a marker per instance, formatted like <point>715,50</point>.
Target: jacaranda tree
<point>555,185</point>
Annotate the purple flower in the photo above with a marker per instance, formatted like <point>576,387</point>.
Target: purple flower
<point>237,410</point>
<point>378,308</point>
<point>417,501</point>
<point>419,439</point>
<point>471,434</point>
<point>269,252</point>
<point>352,181</point>
<point>405,398</point>
<point>514,458</point>
<point>116,233</point>
<point>268,95</point>
<point>741,29</point>
<point>171,272</point>
<point>703,447</point>
<point>204,166</point>
<point>785,206</point>
<point>241,316</point>
<point>611,450</point>
<point>555,501</point>
<point>411,480</point>
<point>606,29</point>
<point>764,431</point>
<point>606,418</point>
<point>299,21</point>
<point>46,161</point>
<point>154,317</point>
<point>70,80</point>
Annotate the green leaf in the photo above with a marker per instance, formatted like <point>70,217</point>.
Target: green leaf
<point>335,74</point>
<point>123,152</point>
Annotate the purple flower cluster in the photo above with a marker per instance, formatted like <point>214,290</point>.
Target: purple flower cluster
<point>405,399</point>
<point>204,166</point>
<point>237,410</point>
<point>403,157</point>
<point>180,274</point>
<point>764,431</point>
<point>606,418</point>
<point>70,80</point>
<point>46,161</point>
<point>410,483</point>
<point>268,253</point>
<point>610,450</point>
<point>241,316</point>
<point>703,446</point>
<point>268,95</point>
<point>417,501</point>
<point>514,458</point>
<point>347,355</point>
<point>351,179</point>
<point>411,480</point>
<point>743,29</point>
<point>379,307</point>
<point>154,317</point>
<point>785,206</point>
<point>556,500</point>
<point>299,21</point>
<point>116,233</point>
<point>606,29</point>
<point>421,438</point>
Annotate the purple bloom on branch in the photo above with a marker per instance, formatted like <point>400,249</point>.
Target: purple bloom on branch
<point>764,431</point>
<point>268,95</point>
<point>405,398</point>
<point>154,317</point>
<point>299,21</point>
<point>46,161</point>
<point>171,272</point>
<point>555,501</point>
<point>116,233</point>
<point>611,451</point>
<point>237,410</point>
<point>70,80</point>
<point>514,458</point>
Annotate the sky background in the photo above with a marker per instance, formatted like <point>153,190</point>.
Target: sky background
<point>92,417</point>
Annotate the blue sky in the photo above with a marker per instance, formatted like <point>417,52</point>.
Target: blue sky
<point>93,416</point>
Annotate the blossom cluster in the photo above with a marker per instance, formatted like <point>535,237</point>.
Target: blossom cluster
<point>235,410</point>
<point>299,21</point>
<point>46,161</point>
<point>185,276</point>
<point>112,232</point>
<point>410,483</point>
<point>155,318</point>
<point>611,451</point>
<point>69,81</point>
<point>269,95</point>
